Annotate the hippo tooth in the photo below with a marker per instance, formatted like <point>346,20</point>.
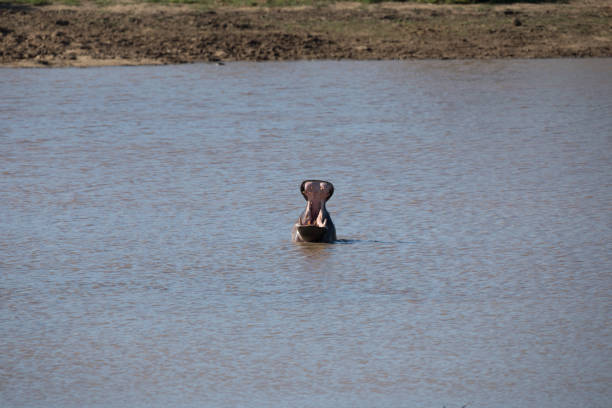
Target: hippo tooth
<point>319,220</point>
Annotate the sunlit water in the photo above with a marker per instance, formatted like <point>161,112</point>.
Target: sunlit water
<point>145,249</point>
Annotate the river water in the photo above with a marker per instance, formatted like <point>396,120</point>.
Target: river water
<point>145,220</point>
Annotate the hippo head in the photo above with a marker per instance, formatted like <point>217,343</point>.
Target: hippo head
<point>315,224</point>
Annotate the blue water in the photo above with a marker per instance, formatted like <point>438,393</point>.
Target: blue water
<point>145,217</point>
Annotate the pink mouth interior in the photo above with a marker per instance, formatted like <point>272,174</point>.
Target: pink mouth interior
<point>317,193</point>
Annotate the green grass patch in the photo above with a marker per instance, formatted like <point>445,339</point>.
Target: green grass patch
<point>289,3</point>
<point>26,2</point>
<point>39,2</point>
<point>467,1</point>
<point>244,3</point>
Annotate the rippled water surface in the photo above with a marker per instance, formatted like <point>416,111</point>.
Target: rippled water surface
<point>145,250</point>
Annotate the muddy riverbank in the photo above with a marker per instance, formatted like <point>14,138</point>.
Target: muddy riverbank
<point>89,35</point>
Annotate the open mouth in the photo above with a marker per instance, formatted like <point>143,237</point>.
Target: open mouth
<point>316,193</point>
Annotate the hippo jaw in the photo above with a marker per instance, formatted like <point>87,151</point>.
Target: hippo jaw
<point>310,233</point>
<point>315,224</point>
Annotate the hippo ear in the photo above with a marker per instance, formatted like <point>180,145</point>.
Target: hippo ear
<point>302,189</point>
<point>331,192</point>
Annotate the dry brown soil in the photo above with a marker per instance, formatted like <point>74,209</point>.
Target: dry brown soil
<point>88,35</point>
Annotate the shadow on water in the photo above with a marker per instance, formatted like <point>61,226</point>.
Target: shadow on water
<point>368,241</point>
<point>320,246</point>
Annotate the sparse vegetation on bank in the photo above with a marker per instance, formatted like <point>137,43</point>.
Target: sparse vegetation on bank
<point>268,3</point>
<point>120,32</point>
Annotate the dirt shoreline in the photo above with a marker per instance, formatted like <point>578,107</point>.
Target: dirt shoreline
<point>135,34</point>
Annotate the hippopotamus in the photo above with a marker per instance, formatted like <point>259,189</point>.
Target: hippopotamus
<point>315,223</point>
